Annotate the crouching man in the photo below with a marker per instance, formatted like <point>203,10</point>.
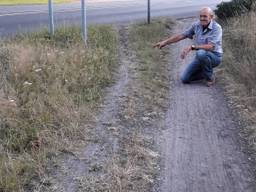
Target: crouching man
<point>207,35</point>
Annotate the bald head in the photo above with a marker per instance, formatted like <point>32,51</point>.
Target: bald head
<point>207,10</point>
<point>206,15</point>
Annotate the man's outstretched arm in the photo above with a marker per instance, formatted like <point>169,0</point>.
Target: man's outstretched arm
<point>170,40</point>
<point>207,47</point>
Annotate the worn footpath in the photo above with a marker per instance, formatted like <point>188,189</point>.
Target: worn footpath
<point>201,147</point>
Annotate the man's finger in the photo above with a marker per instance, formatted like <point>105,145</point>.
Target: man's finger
<point>156,45</point>
<point>159,46</point>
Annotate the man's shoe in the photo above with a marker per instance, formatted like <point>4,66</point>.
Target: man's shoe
<point>211,82</point>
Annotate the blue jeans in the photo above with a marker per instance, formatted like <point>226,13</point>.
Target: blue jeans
<point>201,67</point>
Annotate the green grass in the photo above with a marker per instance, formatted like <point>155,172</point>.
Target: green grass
<point>21,2</point>
<point>51,86</point>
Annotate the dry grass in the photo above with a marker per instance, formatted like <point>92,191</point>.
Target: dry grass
<point>52,86</point>
<point>154,63</point>
<point>133,170</point>
<point>239,69</point>
<point>136,167</point>
<point>49,88</point>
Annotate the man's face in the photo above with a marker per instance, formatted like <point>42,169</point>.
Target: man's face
<point>205,17</point>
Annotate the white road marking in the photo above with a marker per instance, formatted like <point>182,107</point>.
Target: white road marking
<point>36,12</point>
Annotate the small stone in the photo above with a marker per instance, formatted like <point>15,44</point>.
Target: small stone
<point>145,118</point>
<point>38,70</point>
<point>112,128</point>
<point>107,124</point>
<point>27,83</point>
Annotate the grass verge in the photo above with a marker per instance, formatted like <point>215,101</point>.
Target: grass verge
<point>239,70</point>
<point>49,89</point>
<point>136,167</point>
<point>153,68</point>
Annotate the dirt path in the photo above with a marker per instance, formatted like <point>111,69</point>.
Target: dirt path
<point>201,147</point>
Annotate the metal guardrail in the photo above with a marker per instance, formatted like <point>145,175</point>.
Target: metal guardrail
<point>83,18</point>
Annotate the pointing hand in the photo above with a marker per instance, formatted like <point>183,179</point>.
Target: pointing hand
<point>160,44</point>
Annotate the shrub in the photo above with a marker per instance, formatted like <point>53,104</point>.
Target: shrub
<point>234,8</point>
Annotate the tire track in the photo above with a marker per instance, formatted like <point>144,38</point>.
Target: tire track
<point>86,170</point>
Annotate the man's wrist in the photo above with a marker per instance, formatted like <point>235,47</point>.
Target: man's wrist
<point>193,47</point>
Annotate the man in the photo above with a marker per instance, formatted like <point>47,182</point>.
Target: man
<point>207,34</point>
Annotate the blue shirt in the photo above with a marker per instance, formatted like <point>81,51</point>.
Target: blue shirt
<point>212,34</point>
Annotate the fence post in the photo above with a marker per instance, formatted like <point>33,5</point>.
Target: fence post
<point>51,21</point>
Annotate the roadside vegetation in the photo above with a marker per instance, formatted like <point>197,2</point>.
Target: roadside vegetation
<point>234,8</point>
<point>24,2</point>
<point>153,68</point>
<point>50,89</point>
<point>239,68</point>
<point>137,164</point>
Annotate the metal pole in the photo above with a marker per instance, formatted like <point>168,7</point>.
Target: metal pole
<point>148,11</point>
<point>84,27</point>
<point>51,22</point>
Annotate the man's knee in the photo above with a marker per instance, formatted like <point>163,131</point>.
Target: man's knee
<point>201,54</point>
<point>184,79</point>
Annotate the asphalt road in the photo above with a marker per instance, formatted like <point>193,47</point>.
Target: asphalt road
<point>14,19</point>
